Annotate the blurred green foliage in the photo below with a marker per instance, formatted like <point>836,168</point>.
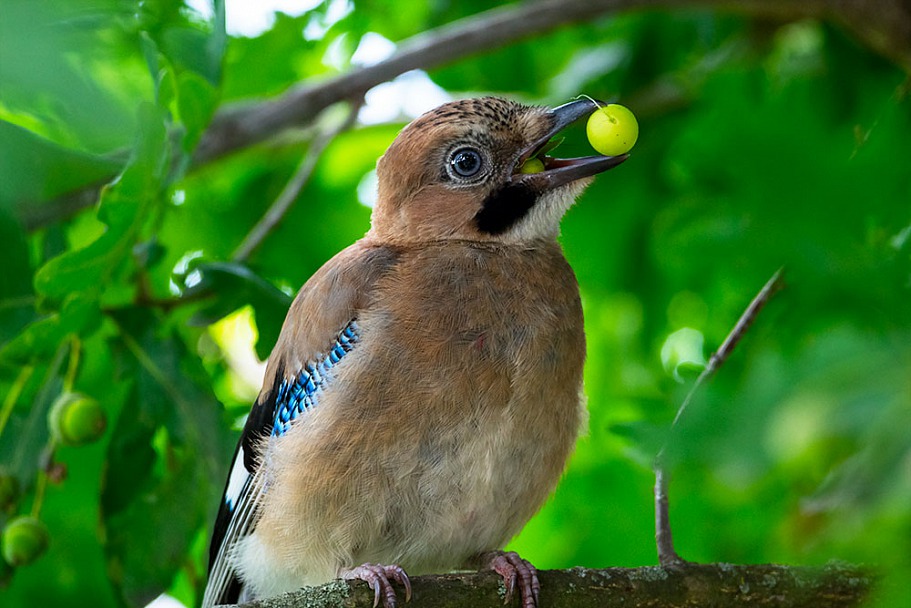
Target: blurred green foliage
<point>763,144</point>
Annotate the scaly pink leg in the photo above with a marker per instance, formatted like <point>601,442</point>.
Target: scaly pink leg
<point>377,576</point>
<point>514,570</point>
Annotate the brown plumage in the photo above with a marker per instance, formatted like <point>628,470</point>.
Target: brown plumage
<point>447,418</point>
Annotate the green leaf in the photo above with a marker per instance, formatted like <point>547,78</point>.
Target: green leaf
<point>236,286</point>
<point>124,207</point>
<point>172,431</point>
<point>85,270</point>
<point>34,169</point>
<point>162,520</point>
<point>41,338</point>
<point>152,60</point>
<point>75,69</point>
<point>17,302</point>
<point>32,436</point>
<point>130,457</point>
<point>217,44</point>
<point>250,67</point>
<point>682,353</point>
<point>197,100</point>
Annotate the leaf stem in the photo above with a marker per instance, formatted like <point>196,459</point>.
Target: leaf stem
<point>9,402</point>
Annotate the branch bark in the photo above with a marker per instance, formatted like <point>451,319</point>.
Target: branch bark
<point>765,586</point>
<point>885,26</point>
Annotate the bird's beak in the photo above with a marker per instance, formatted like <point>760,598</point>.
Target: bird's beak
<point>559,171</point>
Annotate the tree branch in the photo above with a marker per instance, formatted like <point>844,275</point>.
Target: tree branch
<point>240,126</point>
<point>884,25</point>
<point>765,586</point>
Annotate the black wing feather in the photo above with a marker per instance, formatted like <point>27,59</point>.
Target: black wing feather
<point>259,423</point>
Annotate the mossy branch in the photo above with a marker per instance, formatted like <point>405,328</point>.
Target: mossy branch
<point>704,585</point>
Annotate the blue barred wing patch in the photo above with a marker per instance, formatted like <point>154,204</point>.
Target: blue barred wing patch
<point>298,394</point>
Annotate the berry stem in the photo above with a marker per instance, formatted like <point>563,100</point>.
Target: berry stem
<point>594,101</point>
<point>72,369</point>
<point>47,458</point>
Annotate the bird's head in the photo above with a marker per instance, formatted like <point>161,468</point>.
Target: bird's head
<point>454,173</point>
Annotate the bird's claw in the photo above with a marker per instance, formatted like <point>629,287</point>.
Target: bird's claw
<point>514,570</point>
<point>378,576</point>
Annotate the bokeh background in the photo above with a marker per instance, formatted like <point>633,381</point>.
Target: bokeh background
<point>768,139</point>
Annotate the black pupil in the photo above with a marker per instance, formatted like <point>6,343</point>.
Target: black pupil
<point>466,162</point>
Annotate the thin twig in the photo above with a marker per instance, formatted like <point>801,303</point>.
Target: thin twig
<point>664,540</point>
<point>667,556</point>
<point>733,338</point>
<point>295,185</point>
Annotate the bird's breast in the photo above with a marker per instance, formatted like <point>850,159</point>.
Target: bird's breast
<point>459,303</point>
<point>478,362</point>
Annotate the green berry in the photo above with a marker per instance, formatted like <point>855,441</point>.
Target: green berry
<point>75,419</point>
<point>612,130</point>
<point>25,539</point>
<point>532,165</point>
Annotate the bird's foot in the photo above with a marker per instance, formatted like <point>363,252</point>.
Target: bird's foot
<point>516,570</point>
<point>378,577</point>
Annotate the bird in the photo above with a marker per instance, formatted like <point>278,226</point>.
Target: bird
<point>425,391</point>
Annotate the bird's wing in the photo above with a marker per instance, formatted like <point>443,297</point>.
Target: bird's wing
<point>320,329</point>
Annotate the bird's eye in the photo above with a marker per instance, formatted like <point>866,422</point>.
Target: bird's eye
<point>465,162</point>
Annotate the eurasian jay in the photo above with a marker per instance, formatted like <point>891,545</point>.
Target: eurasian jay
<point>426,389</point>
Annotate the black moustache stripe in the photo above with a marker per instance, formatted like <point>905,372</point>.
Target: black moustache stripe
<point>504,208</point>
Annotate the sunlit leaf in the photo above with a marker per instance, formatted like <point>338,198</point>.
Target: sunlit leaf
<point>235,286</point>
<point>124,207</point>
